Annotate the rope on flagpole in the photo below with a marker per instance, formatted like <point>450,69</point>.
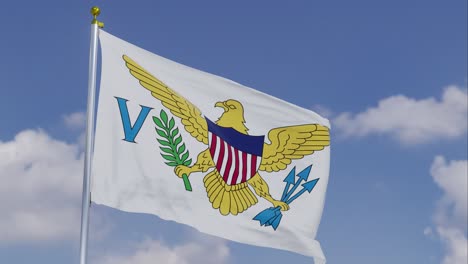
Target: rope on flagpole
<point>86,198</point>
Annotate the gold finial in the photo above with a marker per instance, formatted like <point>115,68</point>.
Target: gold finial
<point>95,11</point>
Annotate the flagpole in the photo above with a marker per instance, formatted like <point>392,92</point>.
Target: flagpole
<point>86,198</point>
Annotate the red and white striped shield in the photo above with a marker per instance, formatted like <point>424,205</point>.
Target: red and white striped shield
<point>236,156</point>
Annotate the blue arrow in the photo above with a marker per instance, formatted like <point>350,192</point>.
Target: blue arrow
<point>289,180</point>
<point>275,221</point>
<point>266,215</point>
<point>308,186</point>
<point>303,176</point>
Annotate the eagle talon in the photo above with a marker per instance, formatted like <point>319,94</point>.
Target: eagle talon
<point>181,170</point>
<point>284,206</point>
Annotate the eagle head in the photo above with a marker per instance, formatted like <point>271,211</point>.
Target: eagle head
<point>233,115</point>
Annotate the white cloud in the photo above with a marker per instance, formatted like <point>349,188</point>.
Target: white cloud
<point>456,244</point>
<point>428,232</point>
<point>323,111</point>
<point>207,251</point>
<point>41,187</point>
<point>450,216</point>
<point>75,120</point>
<point>410,120</point>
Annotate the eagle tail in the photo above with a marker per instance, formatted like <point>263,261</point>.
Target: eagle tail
<point>229,199</point>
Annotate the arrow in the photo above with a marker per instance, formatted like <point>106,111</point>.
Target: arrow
<point>274,222</point>
<point>308,186</point>
<point>289,180</point>
<point>270,217</point>
<point>303,176</point>
<point>266,215</point>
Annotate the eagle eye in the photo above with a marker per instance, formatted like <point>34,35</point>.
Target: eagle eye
<point>232,107</point>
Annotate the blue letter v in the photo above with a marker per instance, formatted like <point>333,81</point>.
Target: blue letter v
<point>131,131</point>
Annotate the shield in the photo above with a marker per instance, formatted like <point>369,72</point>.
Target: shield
<point>236,156</point>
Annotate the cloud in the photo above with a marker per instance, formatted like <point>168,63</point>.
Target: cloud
<point>323,111</point>
<point>207,251</point>
<point>456,245</point>
<point>75,120</point>
<point>41,187</point>
<point>450,216</point>
<point>409,120</point>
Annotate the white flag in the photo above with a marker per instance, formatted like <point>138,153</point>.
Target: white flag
<point>207,152</point>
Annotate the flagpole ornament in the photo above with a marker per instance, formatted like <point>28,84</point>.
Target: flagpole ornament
<point>96,11</point>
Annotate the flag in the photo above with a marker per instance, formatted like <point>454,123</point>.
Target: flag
<point>207,152</point>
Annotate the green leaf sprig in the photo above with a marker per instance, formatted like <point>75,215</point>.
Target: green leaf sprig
<point>172,147</point>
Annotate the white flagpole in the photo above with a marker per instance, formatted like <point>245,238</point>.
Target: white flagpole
<point>86,198</point>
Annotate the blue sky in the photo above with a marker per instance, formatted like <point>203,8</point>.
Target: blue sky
<point>391,76</point>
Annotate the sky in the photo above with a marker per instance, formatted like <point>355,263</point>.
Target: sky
<point>390,75</point>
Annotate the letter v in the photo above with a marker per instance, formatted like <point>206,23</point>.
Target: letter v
<point>131,131</point>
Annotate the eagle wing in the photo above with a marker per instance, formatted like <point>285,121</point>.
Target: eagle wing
<point>293,142</point>
<point>189,114</point>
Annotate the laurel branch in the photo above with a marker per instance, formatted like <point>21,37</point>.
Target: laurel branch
<point>172,147</point>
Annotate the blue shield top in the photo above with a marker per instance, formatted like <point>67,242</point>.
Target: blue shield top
<point>236,156</point>
<point>249,144</point>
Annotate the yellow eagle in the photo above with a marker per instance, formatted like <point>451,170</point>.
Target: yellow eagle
<point>286,144</point>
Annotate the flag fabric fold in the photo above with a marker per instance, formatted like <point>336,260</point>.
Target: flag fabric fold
<point>207,152</point>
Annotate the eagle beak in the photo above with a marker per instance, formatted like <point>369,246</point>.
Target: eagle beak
<point>222,105</point>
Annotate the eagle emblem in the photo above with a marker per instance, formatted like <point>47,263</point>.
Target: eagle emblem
<point>233,160</point>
